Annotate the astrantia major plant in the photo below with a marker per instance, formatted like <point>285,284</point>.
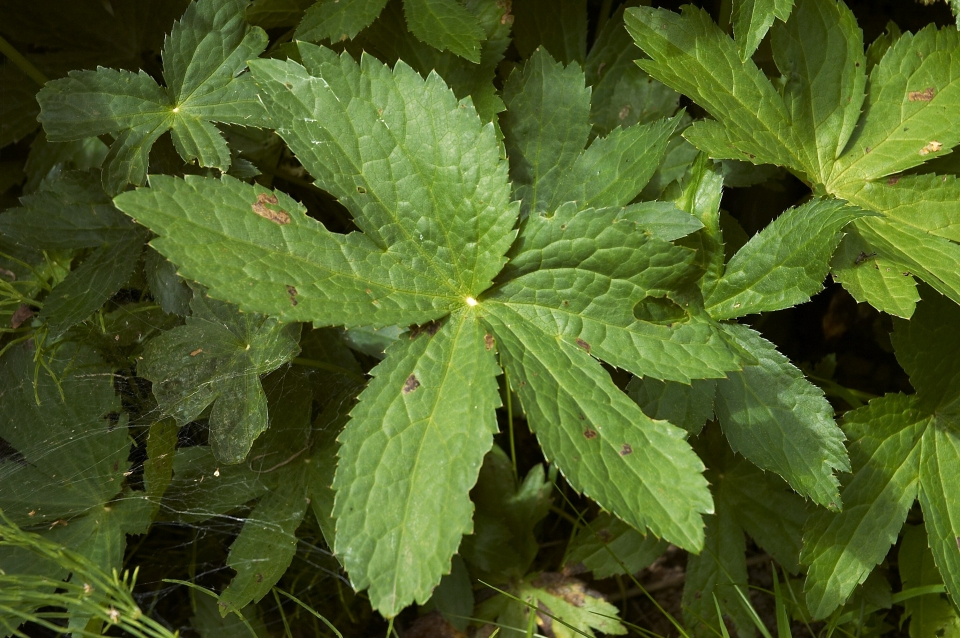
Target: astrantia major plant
<point>347,278</point>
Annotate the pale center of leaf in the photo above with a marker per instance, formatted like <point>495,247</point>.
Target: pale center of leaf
<point>471,302</point>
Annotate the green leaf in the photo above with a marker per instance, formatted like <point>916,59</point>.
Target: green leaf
<point>780,421</point>
<point>335,21</point>
<point>930,614</point>
<point>202,56</point>
<point>884,284</point>
<point>503,544</point>
<point>919,345</point>
<point>924,203</point>
<point>717,571</point>
<point>97,279</point>
<point>451,215</point>
<point>167,288</point>
<point>751,20</point>
<point>623,95</point>
<point>688,406</point>
<point>266,545</point>
<point>690,54</point>
<point>216,359</point>
<point>784,264</point>
<point>583,285</point>
<point>67,213</point>
<point>842,548</point>
<point>564,606</point>
<point>67,488</point>
<point>558,26</point>
<point>607,542</point>
<point>820,53</point>
<point>428,416</point>
<point>453,597</point>
<point>639,469</point>
<point>939,472</point>
<point>767,509</point>
<point>388,39</point>
<point>303,272</point>
<point>445,25</point>
<point>928,257</point>
<point>546,127</point>
<point>225,487</point>
<point>702,190</point>
<point>906,120</point>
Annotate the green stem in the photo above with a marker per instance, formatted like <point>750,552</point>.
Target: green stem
<point>513,446</point>
<point>21,62</point>
<point>323,365</point>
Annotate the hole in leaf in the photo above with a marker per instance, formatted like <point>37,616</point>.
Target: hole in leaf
<point>659,310</point>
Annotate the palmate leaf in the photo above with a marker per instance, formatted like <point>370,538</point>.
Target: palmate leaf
<point>428,189</point>
<point>816,128</point>
<point>202,56</point>
<point>75,489</point>
<point>216,359</point>
<point>903,447</point>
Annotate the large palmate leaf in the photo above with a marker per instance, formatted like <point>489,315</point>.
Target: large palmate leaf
<point>427,187</point>
<point>814,126</point>
<point>203,56</point>
<point>217,359</point>
<point>74,489</point>
<point>903,448</point>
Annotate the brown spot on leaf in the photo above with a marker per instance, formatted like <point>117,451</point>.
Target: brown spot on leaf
<point>20,315</point>
<point>624,112</point>
<point>488,340</point>
<point>292,291</point>
<point>626,449</point>
<point>893,180</point>
<point>867,150</point>
<point>411,384</point>
<point>922,96</point>
<point>259,577</point>
<point>932,147</point>
<point>196,352</point>
<point>583,344</point>
<point>589,434</point>
<point>260,207</point>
